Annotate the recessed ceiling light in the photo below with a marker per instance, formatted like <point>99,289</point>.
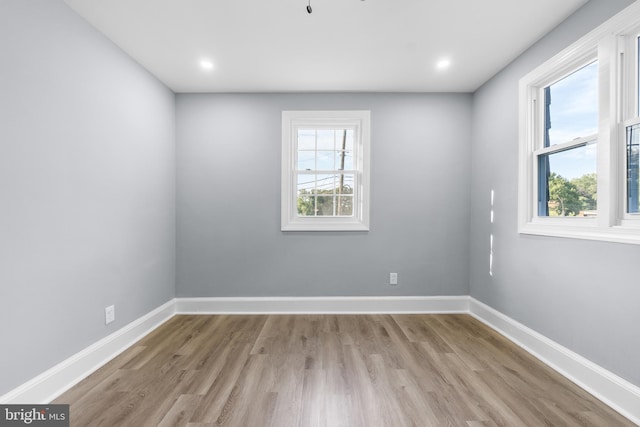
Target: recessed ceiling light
<point>443,64</point>
<point>206,65</point>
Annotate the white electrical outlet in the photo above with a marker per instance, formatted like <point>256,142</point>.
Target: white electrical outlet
<point>109,314</point>
<point>393,278</point>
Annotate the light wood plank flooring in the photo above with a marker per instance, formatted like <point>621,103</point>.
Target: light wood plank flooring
<point>330,370</point>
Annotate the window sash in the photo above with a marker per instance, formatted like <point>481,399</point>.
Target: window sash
<point>540,115</point>
<point>335,150</point>
<point>542,172</point>
<point>335,195</point>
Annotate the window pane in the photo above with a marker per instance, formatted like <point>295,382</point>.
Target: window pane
<point>344,183</point>
<point>633,161</point>
<point>568,182</point>
<point>325,160</point>
<point>344,139</point>
<point>306,183</point>
<point>571,106</point>
<point>306,139</point>
<point>326,139</point>
<point>348,140</point>
<point>344,191</point>
<point>344,160</point>
<point>325,205</point>
<point>306,160</point>
<point>325,184</point>
<point>306,204</point>
<point>344,205</point>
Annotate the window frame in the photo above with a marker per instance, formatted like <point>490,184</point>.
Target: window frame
<point>360,121</point>
<point>617,58</point>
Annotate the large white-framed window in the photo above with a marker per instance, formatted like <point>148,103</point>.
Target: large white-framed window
<point>325,170</point>
<point>579,133</point>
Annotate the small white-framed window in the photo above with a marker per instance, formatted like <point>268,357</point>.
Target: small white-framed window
<point>325,170</point>
<point>579,134</point>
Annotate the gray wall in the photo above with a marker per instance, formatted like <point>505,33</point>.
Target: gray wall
<point>229,238</point>
<point>582,294</point>
<point>87,188</point>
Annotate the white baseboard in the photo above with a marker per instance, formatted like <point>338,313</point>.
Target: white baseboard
<point>619,394</point>
<point>323,305</point>
<point>55,381</point>
<point>616,392</point>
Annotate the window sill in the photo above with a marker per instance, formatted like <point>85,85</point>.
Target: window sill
<point>324,224</point>
<point>615,234</point>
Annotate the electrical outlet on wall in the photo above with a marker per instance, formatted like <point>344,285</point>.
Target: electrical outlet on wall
<point>109,314</point>
<point>393,279</point>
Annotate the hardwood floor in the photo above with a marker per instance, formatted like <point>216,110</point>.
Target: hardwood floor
<point>330,370</point>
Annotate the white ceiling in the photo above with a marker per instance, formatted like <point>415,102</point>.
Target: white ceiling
<point>344,45</point>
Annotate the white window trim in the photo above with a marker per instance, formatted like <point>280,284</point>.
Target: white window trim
<point>607,44</point>
<point>290,220</point>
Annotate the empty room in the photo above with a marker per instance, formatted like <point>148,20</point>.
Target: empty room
<point>320,213</point>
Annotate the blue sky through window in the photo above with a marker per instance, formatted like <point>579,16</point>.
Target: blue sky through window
<point>573,113</point>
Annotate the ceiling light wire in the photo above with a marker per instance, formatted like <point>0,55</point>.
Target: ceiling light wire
<point>309,9</point>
